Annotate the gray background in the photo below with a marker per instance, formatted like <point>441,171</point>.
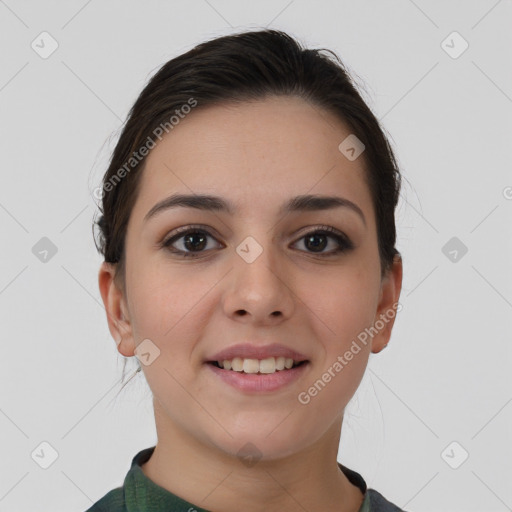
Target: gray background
<point>446,374</point>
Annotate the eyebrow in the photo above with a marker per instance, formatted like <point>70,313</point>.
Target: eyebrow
<point>211,203</point>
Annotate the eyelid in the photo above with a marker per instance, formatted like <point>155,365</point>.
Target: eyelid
<point>183,230</point>
<point>319,227</point>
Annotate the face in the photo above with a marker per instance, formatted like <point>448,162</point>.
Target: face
<point>257,275</point>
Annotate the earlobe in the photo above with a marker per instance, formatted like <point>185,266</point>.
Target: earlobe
<point>115,308</point>
<point>391,287</point>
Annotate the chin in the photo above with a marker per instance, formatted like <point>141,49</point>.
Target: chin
<point>259,442</point>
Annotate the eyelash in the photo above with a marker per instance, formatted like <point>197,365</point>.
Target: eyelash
<point>344,244</point>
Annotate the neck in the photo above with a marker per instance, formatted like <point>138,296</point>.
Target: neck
<point>214,480</point>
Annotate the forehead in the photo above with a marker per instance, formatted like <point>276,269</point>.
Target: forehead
<point>257,154</point>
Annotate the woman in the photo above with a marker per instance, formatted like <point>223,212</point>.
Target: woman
<point>249,237</point>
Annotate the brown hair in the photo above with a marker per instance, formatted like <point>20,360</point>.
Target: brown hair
<point>236,68</point>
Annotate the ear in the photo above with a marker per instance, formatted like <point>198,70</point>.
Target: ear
<point>117,311</point>
<point>387,308</point>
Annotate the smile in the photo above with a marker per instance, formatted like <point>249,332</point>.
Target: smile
<point>267,365</point>
<point>253,375</point>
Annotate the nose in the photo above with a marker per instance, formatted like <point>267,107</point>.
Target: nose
<point>259,290</point>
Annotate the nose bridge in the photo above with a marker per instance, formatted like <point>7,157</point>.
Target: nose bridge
<point>257,261</point>
<point>258,244</point>
<point>258,281</point>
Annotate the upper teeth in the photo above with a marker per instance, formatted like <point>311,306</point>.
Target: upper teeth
<point>268,365</point>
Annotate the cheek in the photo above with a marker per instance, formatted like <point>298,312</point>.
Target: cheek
<point>343,302</point>
<point>168,308</point>
<point>346,304</point>
<point>165,302</point>
<point>172,308</point>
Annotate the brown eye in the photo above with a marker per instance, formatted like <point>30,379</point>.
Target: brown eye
<point>317,241</point>
<point>191,242</point>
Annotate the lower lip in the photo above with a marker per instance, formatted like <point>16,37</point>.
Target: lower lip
<point>260,382</point>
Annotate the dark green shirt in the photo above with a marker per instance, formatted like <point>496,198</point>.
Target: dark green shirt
<point>140,494</point>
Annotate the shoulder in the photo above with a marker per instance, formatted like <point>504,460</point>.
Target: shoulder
<point>373,500</point>
<point>116,499</point>
<point>113,501</point>
<point>380,504</point>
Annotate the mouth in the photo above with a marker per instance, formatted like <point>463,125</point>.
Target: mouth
<point>258,376</point>
<point>265,366</point>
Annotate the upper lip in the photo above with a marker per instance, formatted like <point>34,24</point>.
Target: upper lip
<point>251,351</point>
